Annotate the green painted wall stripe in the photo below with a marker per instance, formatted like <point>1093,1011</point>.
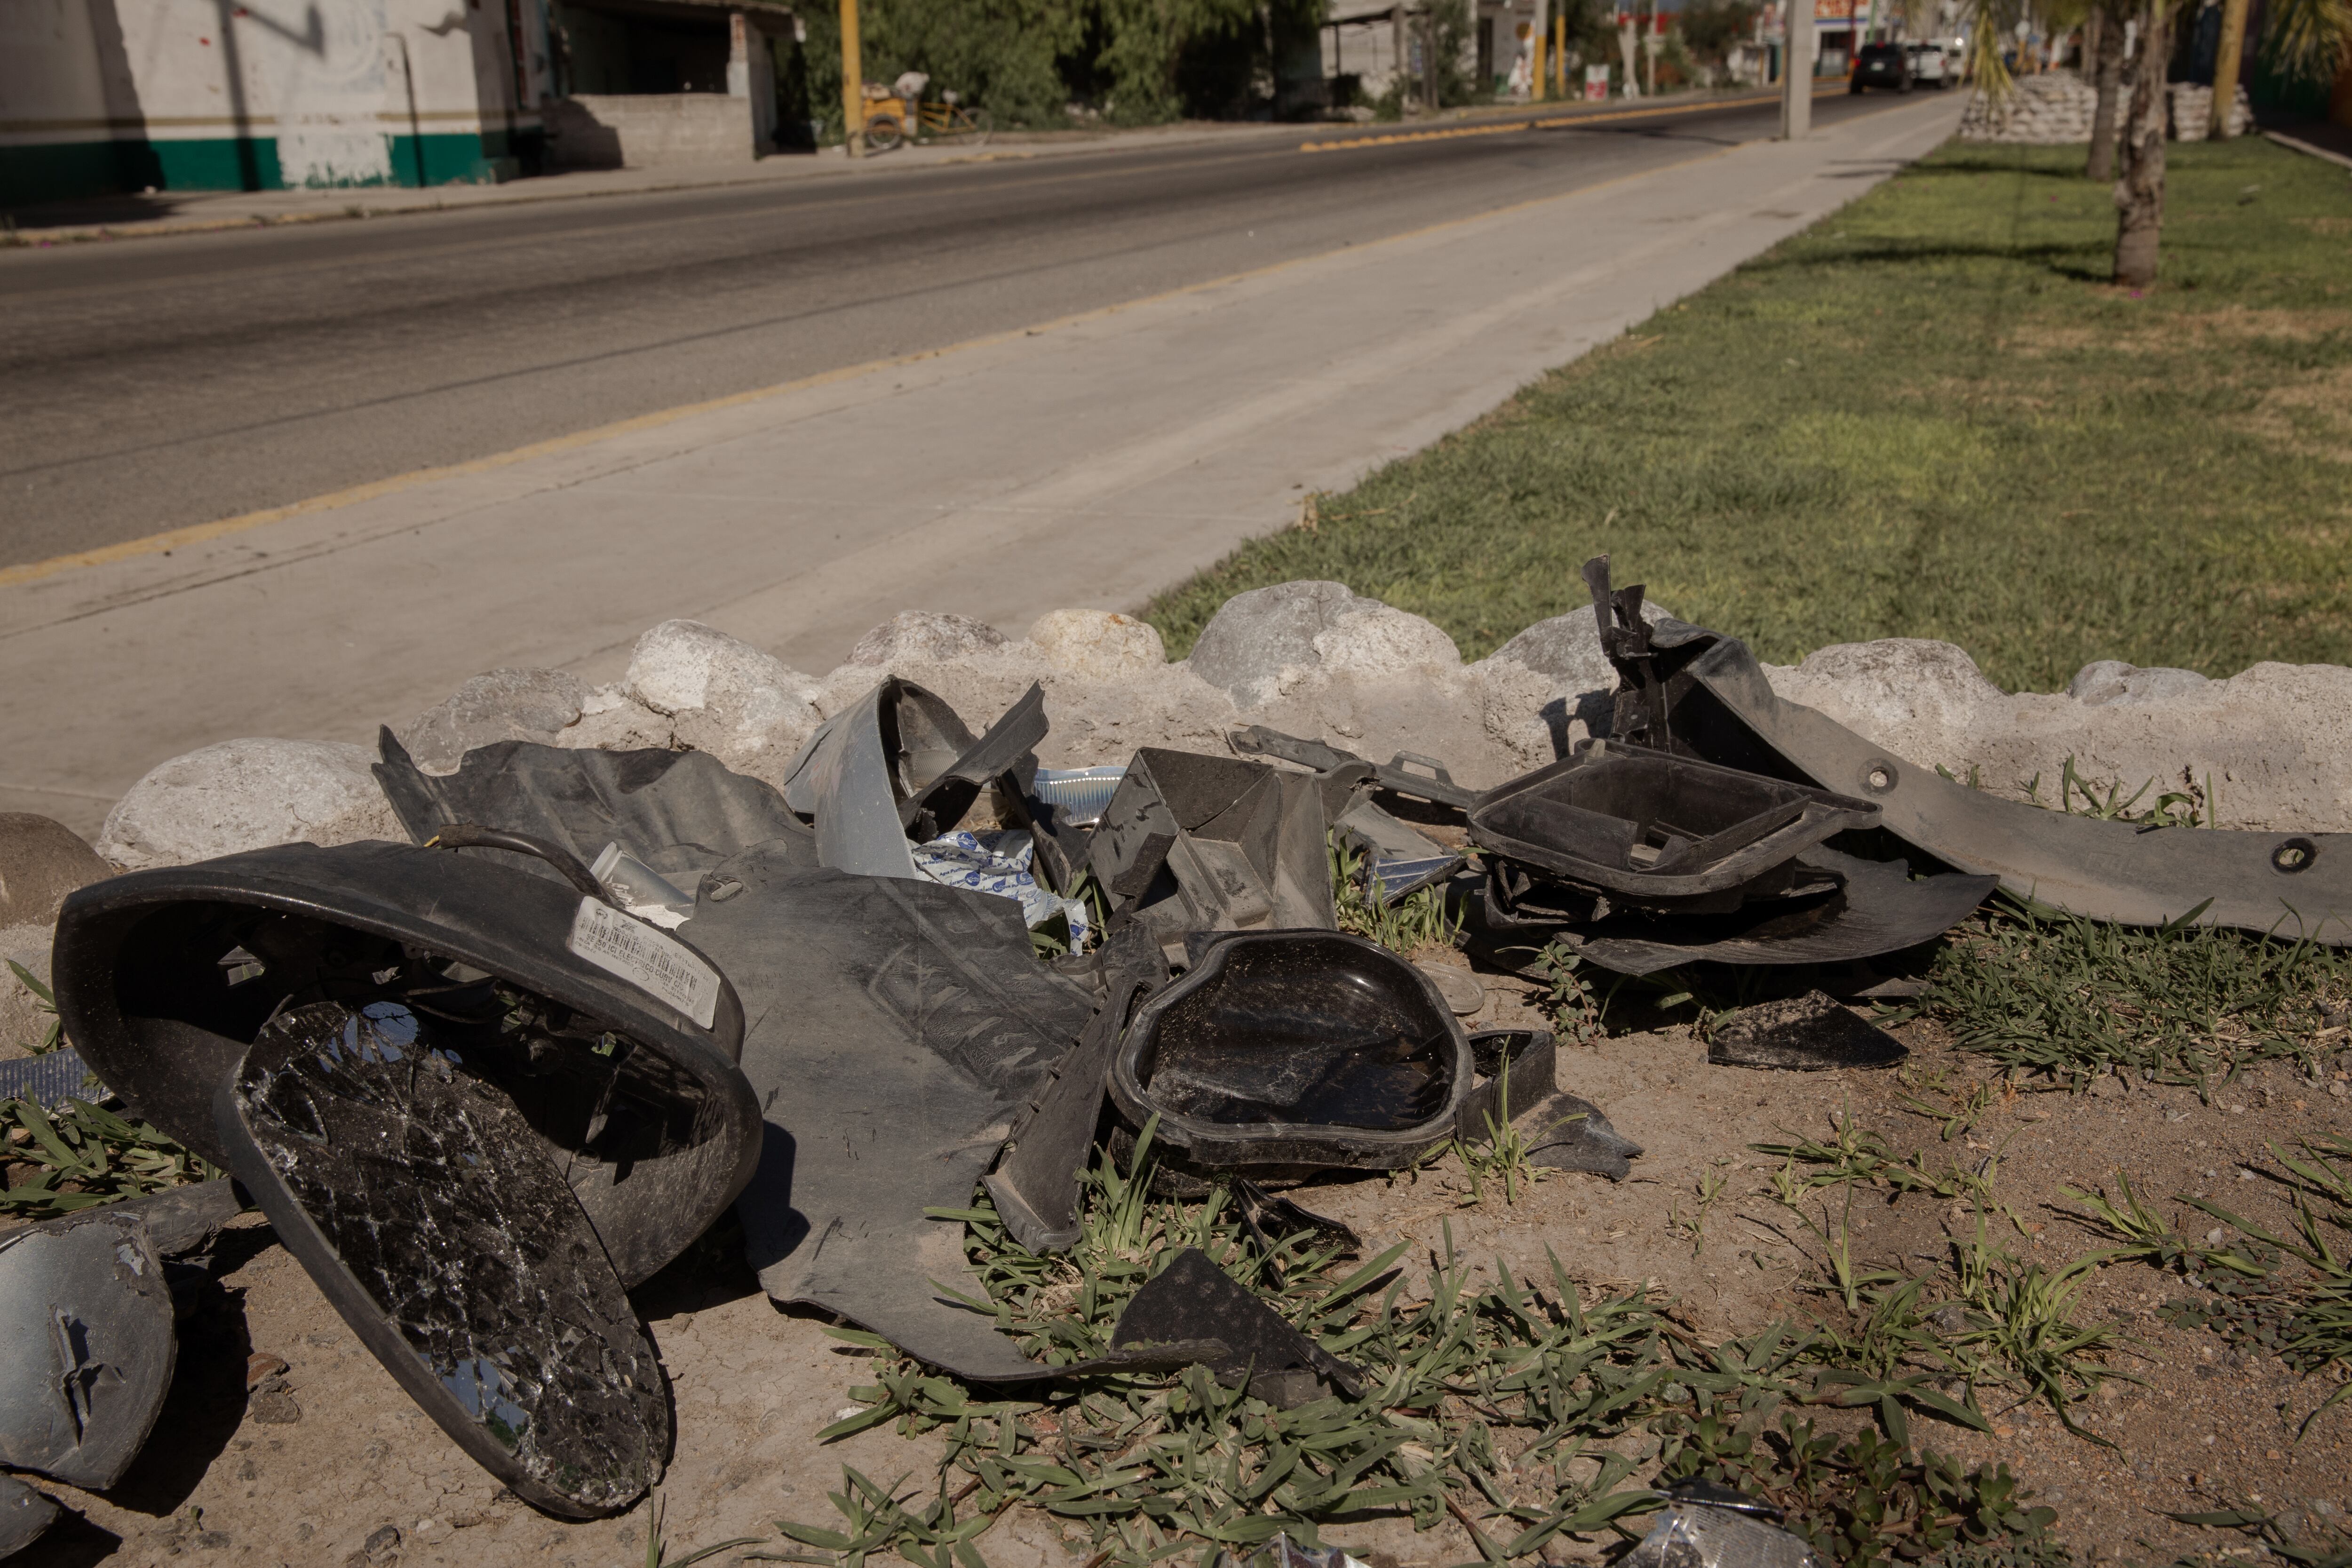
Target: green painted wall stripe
<point>62,170</point>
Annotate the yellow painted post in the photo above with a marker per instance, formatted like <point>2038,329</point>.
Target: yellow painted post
<point>1539,85</point>
<point>852,83</point>
<point>1560,50</point>
<point>2225,66</point>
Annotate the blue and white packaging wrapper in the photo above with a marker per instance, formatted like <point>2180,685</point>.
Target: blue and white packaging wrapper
<point>1000,861</point>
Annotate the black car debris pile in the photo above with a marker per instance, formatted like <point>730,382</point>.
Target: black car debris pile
<point>483,1083</point>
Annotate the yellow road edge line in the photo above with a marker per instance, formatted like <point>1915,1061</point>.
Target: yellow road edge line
<point>205,533</point>
<point>1341,143</point>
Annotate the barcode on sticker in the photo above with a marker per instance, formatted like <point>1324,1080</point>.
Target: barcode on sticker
<point>657,964</point>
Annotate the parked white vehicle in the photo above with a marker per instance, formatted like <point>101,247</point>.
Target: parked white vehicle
<point>1929,65</point>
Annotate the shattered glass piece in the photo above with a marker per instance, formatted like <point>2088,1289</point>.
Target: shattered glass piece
<point>1567,1133</point>
<point>86,1345</point>
<point>1194,1307</point>
<point>898,1029</point>
<point>999,862</point>
<point>1036,1186</point>
<point>1805,1034</point>
<point>48,1080</point>
<point>640,890</point>
<point>1080,792</point>
<point>25,1513</point>
<point>1690,1534</point>
<point>1660,830</point>
<point>678,813</point>
<point>1295,1047</point>
<point>1199,842</point>
<point>1284,1552</point>
<point>1878,907</point>
<point>431,1216</point>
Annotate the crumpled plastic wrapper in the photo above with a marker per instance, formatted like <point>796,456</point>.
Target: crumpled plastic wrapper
<point>1693,1535</point>
<point>1284,1552</point>
<point>1002,861</point>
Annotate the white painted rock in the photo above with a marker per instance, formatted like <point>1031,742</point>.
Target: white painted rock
<point>1255,636</point>
<point>2111,680</point>
<point>503,705</point>
<point>1097,644</point>
<point>2268,749</point>
<point>749,708</point>
<point>930,635</point>
<point>247,795</point>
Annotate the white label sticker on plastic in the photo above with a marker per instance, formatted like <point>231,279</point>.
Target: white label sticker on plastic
<point>654,964</point>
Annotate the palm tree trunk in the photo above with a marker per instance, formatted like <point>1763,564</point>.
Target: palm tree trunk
<point>2225,66</point>
<point>2140,191</point>
<point>2105,46</point>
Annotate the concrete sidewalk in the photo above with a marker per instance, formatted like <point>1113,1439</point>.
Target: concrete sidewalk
<point>197,212</point>
<point>1090,461</point>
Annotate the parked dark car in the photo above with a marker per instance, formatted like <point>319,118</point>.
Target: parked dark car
<point>1881,65</point>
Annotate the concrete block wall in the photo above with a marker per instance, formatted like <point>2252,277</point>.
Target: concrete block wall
<point>610,130</point>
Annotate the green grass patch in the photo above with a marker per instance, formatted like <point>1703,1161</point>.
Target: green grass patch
<point>1525,1411</point>
<point>2043,993</point>
<point>1928,416</point>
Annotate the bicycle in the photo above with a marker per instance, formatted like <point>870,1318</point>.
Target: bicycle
<point>946,120</point>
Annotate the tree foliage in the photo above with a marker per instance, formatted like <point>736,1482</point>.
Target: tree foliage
<point>1135,61</point>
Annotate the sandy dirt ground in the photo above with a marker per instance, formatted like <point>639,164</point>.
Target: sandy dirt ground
<point>333,1465</point>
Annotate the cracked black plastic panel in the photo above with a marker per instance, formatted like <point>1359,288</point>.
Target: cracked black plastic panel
<point>899,1029</point>
<point>1663,830</point>
<point>1296,1049</point>
<point>1196,843</point>
<point>1715,701</point>
<point>24,1514</point>
<point>1192,1311</point>
<point>1811,1033</point>
<point>87,1346</point>
<point>423,1202</point>
<point>165,977</point>
<point>679,813</point>
<point>1851,907</point>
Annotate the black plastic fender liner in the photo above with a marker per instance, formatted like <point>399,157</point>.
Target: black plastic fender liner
<point>680,812</point>
<point>436,1222</point>
<point>1296,1049</point>
<point>898,1029</point>
<point>2291,885</point>
<point>1035,1185</point>
<point>144,993</point>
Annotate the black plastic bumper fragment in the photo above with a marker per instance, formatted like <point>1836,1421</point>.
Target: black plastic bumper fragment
<point>1299,1049</point>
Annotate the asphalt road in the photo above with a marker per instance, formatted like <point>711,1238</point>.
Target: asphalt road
<point>150,385</point>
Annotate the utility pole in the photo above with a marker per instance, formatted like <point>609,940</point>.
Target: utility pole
<point>1795,71</point>
<point>853,83</point>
